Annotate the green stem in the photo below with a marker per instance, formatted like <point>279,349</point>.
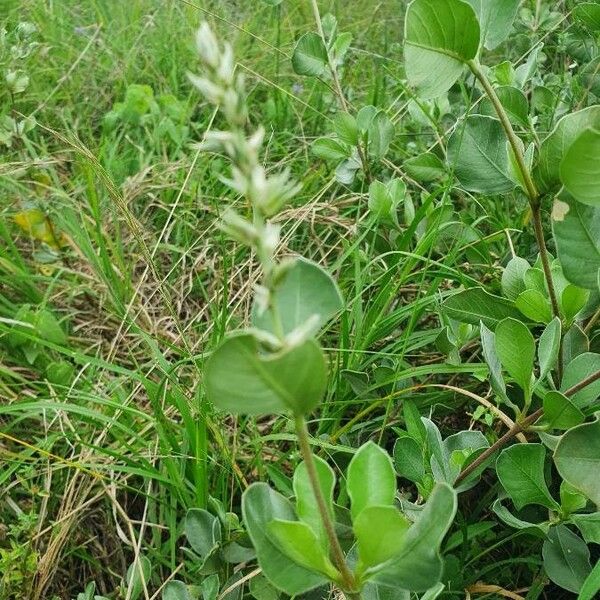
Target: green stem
<point>530,188</point>
<point>337,554</point>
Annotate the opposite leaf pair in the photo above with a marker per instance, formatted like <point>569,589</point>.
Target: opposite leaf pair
<point>293,547</point>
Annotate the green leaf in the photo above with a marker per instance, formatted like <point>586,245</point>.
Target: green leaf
<point>589,525</point>
<point>408,459</point>
<point>260,506</point>
<point>566,558</point>
<point>299,542</point>
<point>176,590</point>
<point>440,37</point>
<point>477,151</point>
<point>381,133</point>
<point>539,529</point>
<point>516,350</point>
<point>419,565</point>
<point>577,370</point>
<point>591,585</point>
<point>513,277</point>
<point>138,577</point>
<point>573,300</point>
<point>535,306</point>
<point>554,147</point>
<point>304,291</point>
<point>576,229</point>
<point>202,530</point>
<point>577,459</point>
<point>520,469</point>
<point>549,347</point>
<point>575,343</point>
<point>306,505</point>
<point>580,168</point>
<point>346,128</point>
<point>425,167</point>
<point>560,412</point>
<point>496,18</point>
<point>475,305</point>
<point>571,499</point>
<point>380,533</point>
<point>514,102</point>
<point>371,479</point>
<point>488,346</point>
<point>310,55</point>
<point>329,149</point>
<point>241,379</point>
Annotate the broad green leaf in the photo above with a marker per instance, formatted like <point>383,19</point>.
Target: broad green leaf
<point>535,306</point>
<point>488,346</point>
<point>576,229</point>
<point>202,530</point>
<point>310,55</point>
<point>137,578</point>
<point>346,128</point>
<point>514,102</point>
<point>305,290</point>
<point>513,277</point>
<point>419,565</point>
<point>176,590</point>
<point>495,18</point>
<point>381,133</point>
<point>516,350</point>
<point>577,459</point>
<point>575,343</point>
<point>306,505</point>
<point>260,506</point>
<point>241,379</point>
<point>475,305</point>
<point>425,167</point>
<point>380,532</point>
<point>477,152</point>
<point>408,459</point>
<point>440,37</point>
<point>299,542</point>
<point>371,479</point>
<point>554,147</point>
<point>462,445</point>
<point>549,348</point>
<point>329,149</point>
<point>589,525</point>
<point>566,558</point>
<point>580,168</point>
<point>560,412</point>
<point>261,589</point>
<point>571,500</point>
<point>577,370</point>
<point>591,586</point>
<point>589,14</point>
<point>573,300</point>
<point>520,469</point>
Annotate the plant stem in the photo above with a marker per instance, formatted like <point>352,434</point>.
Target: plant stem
<point>530,188</point>
<point>519,427</point>
<point>337,554</point>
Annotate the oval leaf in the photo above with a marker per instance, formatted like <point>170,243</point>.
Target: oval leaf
<point>440,37</point>
<point>242,380</point>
